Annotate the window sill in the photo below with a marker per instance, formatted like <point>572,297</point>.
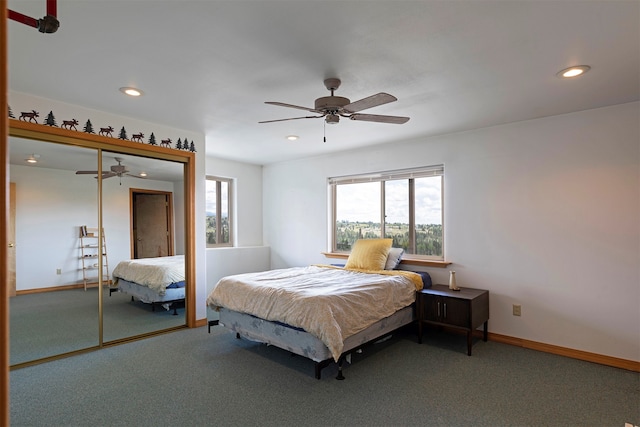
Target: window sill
<point>404,261</point>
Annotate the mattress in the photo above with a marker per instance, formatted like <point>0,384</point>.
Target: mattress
<point>158,274</point>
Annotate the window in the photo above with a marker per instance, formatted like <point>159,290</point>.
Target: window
<point>218,207</point>
<point>404,205</point>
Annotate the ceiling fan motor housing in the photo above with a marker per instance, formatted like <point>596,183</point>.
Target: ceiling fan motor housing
<point>331,103</point>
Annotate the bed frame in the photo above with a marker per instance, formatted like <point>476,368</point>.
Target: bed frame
<point>172,296</point>
<point>302,343</point>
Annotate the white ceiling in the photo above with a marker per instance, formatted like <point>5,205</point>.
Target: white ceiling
<point>209,66</point>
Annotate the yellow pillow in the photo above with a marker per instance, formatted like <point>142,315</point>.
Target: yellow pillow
<point>369,254</point>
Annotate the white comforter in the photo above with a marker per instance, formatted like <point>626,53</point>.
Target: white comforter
<point>331,304</point>
<point>155,273</point>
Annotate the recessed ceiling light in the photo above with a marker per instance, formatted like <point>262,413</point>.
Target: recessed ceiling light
<point>143,174</point>
<point>292,137</point>
<point>131,91</point>
<point>575,71</point>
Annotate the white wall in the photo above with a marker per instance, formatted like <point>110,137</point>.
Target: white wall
<point>544,213</point>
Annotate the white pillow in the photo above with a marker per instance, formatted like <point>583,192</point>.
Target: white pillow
<point>393,259</point>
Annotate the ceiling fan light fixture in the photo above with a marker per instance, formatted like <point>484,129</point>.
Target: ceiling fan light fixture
<point>32,158</point>
<point>574,71</point>
<point>332,119</point>
<point>131,91</point>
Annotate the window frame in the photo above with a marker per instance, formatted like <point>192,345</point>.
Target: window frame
<point>382,177</point>
<point>219,229</point>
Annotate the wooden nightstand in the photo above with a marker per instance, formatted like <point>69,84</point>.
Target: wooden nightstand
<point>465,309</point>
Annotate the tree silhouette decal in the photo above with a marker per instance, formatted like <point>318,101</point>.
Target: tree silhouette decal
<point>123,134</point>
<point>50,120</point>
<point>88,127</point>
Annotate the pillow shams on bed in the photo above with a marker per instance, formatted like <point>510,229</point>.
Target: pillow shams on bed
<point>369,254</point>
<point>393,259</point>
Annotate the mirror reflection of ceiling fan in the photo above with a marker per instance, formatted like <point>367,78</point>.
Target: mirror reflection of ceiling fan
<point>333,107</point>
<point>118,170</point>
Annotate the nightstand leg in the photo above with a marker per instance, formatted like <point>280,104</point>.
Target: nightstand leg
<point>485,331</point>
<point>419,332</point>
<point>469,334</point>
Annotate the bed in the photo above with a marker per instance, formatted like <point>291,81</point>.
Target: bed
<point>321,312</point>
<point>155,281</point>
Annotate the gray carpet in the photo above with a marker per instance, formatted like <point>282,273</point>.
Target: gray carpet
<point>50,323</point>
<point>192,378</point>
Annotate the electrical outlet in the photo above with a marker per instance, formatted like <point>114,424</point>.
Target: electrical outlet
<point>58,271</point>
<point>517,310</point>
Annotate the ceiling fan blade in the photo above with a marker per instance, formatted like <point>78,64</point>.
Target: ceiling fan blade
<point>379,119</point>
<point>105,174</point>
<point>282,104</point>
<point>136,176</point>
<point>369,102</point>
<point>293,118</point>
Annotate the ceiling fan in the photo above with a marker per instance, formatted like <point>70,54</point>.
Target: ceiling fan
<point>118,170</point>
<point>333,107</point>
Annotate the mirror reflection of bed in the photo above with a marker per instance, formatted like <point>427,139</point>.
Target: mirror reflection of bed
<point>52,313</point>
